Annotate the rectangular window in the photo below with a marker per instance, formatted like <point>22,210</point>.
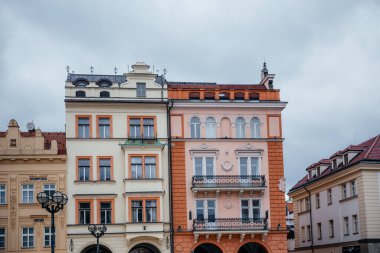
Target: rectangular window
<point>142,127</point>
<point>13,143</point>
<point>144,167</point>
<point>84,212</point>
<point>83,126</point>
<point>346,159</point>
<point>346,226</point>
<point>2,194</point>
<point>245,209</point>
<point>250,209</point>
<point>137,211</point>
<point>105,212</point>
<point>355,227</point>
<point>49,189</point>
<point>303,235</point>
<point>151,210</point>
<point>27,237</point>
<point>329,196</point>
<point>27,193</point>
<point>319,230</point>
<point>318,171</point>
<point>331,228</point>
<point>249,165</point>
<point>308,233</point>
<point>353,188</point>
<point>104,169</point>
<point>206,209</point>
<point>256,209</point>
<point>84,169</point>
<point>317,201</point>
<point>2,238</point>
<point>104,126</point>
<point>140,90</point>
<point>47,236</point>
<point>204,166</point>
<point>344,191</point>
<point>334,164</point>
<point>307,204</point>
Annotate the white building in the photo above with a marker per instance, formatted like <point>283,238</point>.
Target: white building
<point>336,206</point>
<point>117,161</point>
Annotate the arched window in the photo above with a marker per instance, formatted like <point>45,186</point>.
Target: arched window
<point>81,82</point>
<point>240,127</point>
<point>239,96</point>
<point>255,128</point>
<point>254,96</point>
<point>80,94</point>
<point>104,94</point>
<point>224,96</point>
<point>104,83</point>
<point>195,127</point>
<point>194,95</point>
<point>210,127</point>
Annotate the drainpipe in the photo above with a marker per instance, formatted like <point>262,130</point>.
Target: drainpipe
<point>169,106</point>
<point>311,221</point>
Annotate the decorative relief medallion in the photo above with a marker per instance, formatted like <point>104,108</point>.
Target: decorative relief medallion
<point>227,166</point>
<point>179,248</point>
<point>282,184</point>
<point>228,203</point>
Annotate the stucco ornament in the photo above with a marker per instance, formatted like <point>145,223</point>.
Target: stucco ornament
<point>227,166</point>
<point>228,203</point>
<point>282,184</point>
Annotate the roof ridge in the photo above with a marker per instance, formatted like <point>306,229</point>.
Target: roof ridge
<point>373,144</point>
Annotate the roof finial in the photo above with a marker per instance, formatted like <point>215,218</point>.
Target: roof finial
<point>92,69</point>
<point>264,71</point>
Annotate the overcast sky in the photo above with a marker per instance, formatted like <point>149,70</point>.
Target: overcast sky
<point>325,54</point>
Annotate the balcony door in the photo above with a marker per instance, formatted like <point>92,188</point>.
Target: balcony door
<point>204,166</point>
<point>206,211</point>
<point>250,209</point>
<point>249,166</point>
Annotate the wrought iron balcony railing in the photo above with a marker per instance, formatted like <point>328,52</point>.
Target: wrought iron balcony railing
<point>227,181</point>
<point>230,224</point>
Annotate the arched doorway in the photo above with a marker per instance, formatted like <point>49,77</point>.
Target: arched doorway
<point>92,249</point>
<point>252,247</point>
<point>207,248</point>
<point>144,248</point>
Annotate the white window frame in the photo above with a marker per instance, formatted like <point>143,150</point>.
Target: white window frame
<point>250,207</point>
<point>205,207</point>
<point>3,194</point>
<point>48,187</point>
<point>194,126</point>
<point>346,226</point>
<point>27,192</point>
<point>249,165</point>
<point>353,188</point>
<point>331,229</point>
<point>104,129</point>
<point>255,128</point>
<point>344,191</point>
<point>308,233</point>
<point>47,234</point>
<point>317,200</point>
<point>30,243</point>
<point>204,168</point>
<point>329,196</point>
<point>141,90</point>
<point>211,127</point>
<point>355,224</point>
<point>240,128</point>
<point>319,230</point>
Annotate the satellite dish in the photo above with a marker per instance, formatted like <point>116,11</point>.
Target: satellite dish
<point>30,126</point>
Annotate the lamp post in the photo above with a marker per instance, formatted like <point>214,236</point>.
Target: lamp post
<point>97,231</point>
<point>53,202</point>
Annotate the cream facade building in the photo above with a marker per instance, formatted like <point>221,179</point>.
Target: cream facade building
<point>337,205</point>
<point>30,162</point>
<point>118,161</point>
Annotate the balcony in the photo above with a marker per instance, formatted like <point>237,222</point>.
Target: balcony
<point>228,183</point>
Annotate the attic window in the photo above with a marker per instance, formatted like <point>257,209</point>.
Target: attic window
<point>81,83</point>
<point>318,171</point>
<point>209,96</point>
<point>224,96</point>
<point>253,96</point>
<point>239,96</point>
<point>194,95</point>
<point>104,83</point>
<point>345,159</point>
<point>334,164</point>
<point>80,94</point>
<point>13,143</point>
<point>104,94</point>
<point>310,174</point>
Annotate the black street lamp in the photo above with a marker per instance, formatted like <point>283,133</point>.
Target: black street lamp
<point>53,202</point>
<point>97,231</point>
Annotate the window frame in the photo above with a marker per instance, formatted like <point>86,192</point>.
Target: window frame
<point>204,165</point>
<point>205,208</point>
<point>308,233</point>
<point>144,90</point>
<point>112,202</point>
<point>77,168</point>
<point>355,224</point>
<point>30,243</point>
<point>353,188</point>
<point>319,231</point>
<point>47,234</point>
<point>141,118</point>
<point>49,190</point>
<point>27,190</point>
<point>317,201</point>
<point>249,164</point>
<point>3,237</point>
<point>3,191</point>
<point>329,196</point>
<point>77,212</point>
<point>250,208</point>
<point>344,191</point>
<point>240,127</point>
<point>98,158</point>
<point>346,226</point>
<point>144,199</point>
<point>130,156</point>
<point>255,128</point>
<point>98,133</point>
<point>197,127</point>
<point>211,127</point>
<point>77,117</point>
<point>331,229</point>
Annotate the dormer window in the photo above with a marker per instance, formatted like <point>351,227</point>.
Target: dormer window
<point>194,95</point>
<point>345,157</point>
<point>104,94</point>
<point>13,143</point>
<point>318,171</point>
<point>140,90</point>
<point>80,83</point>
<point>310,176</point>
<point>104,83</point>
<point>80,94</point>
<point>209,95</point>
<point>334,164</point>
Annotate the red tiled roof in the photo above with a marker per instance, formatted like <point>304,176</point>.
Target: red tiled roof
<point>290,206</point>
<point>368,151</point>
<point>60,137</point>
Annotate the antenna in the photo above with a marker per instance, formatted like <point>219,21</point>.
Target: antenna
<point>115,70</point>
<point>165,71</point>
<point>68,69</point>
<point>92,69</point>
